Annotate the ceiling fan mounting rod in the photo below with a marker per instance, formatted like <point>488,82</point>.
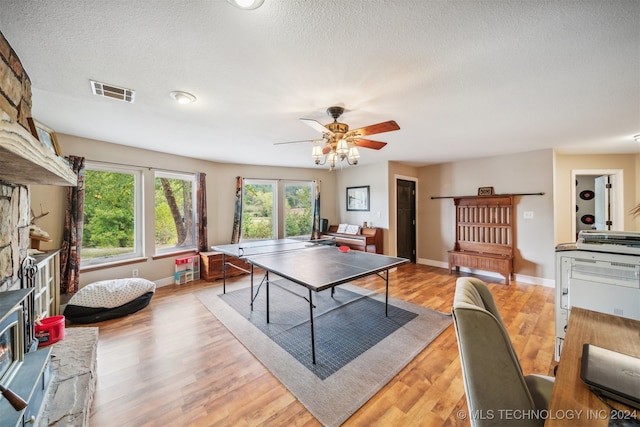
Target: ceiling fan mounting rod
<point>335,112</point>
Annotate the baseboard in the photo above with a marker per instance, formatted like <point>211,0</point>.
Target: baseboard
<point>549,283</point>
<point>164,282</point>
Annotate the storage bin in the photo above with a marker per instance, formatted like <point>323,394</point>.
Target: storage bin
<point>50,330</point>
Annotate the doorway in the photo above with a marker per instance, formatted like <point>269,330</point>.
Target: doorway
<point>598,196</point>
<point>406,219</point>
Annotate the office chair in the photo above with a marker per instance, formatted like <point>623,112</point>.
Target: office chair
<point>496,389</point>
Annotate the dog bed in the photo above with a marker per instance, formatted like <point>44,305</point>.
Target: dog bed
<point>109,299</point>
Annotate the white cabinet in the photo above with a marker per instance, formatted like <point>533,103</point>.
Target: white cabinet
<point>187,269</point>
<point>47,285</point>
<point>598,281</point>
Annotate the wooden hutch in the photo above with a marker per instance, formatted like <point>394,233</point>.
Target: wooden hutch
<point>484,234</point>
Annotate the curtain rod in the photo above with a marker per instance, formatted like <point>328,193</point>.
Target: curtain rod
<point>280,179</point>
<point>136,166</point>
<point>492,195</point>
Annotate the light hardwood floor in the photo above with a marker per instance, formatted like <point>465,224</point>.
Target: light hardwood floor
<point>174,364</point>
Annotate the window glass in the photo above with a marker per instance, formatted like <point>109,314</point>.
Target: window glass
<point>258,217</point>
<point>298,209</point>
<point>273,209</point>
<point>175,218</point>
<point>112,215</point>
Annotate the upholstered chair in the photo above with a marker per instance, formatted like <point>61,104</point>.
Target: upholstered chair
<point>496,389</point>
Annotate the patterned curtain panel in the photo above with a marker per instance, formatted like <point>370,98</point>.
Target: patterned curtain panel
<point>72,233</point>
<point>237,214</point>
<point>315,230</point>
<point>201,202</point>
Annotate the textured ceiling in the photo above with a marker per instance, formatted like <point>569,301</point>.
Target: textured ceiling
<point>463,79</point>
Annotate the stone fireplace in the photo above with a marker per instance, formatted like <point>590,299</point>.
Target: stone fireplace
<point>23,161</point>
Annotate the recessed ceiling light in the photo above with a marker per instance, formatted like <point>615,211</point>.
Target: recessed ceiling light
<point>182,97</point>
<point>246,4</point>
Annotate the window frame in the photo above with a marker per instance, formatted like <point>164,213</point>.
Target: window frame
<point>274,211</point>
<point>138,215</point>
<point>194,209</point>
<point>299,183</point>
<point>279,203</point>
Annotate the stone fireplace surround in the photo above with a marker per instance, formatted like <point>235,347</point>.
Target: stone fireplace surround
<point>24,161</point>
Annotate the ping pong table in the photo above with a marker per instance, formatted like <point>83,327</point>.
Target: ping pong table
<point>314,266</point>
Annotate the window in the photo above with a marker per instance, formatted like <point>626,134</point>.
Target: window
<point>112,214</point>
<point>298,209</point>
<point>267,215</point>
<point>175,218</point>
<point>258,217</point>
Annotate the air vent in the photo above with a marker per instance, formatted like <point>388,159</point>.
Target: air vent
<point>111,91</point>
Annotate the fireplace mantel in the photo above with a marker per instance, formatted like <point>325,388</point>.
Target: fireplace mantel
<point>26,161</point>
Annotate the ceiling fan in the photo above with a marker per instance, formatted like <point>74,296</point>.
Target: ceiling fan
<point>340,143</point>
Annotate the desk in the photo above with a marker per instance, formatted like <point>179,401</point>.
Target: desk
<point>570,395</point>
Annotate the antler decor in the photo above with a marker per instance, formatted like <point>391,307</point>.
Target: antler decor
<point>34,217</point>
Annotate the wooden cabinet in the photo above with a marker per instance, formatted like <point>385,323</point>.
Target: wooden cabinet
<point>484,234</point>
<point>368,240</point>
<point>47,285</point>
<point>211,266</point>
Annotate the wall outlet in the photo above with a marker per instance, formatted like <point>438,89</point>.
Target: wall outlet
<point>528,215</point>
<point>134,272</point>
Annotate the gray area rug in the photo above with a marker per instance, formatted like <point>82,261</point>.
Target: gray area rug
<point>358,349</point>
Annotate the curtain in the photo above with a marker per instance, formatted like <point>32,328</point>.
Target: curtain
<point>315,230</point>
<point>72,233</point>
<point>237,214</point>
<point>201,206</point>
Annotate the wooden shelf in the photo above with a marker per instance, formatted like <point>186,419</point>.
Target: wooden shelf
<point>26,161</point>
<point>35,241</point>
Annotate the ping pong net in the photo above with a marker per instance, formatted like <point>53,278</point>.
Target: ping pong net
<point>265,247</point>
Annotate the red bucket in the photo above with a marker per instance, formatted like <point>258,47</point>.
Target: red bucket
<point>49,330</point>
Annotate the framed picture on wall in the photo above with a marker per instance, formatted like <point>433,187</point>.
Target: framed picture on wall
<point>358,198</point>
<point>485,191</point>
<point>44,134</point>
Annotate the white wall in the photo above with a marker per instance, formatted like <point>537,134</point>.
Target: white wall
<point>530,172</point>
<point>564,183</point>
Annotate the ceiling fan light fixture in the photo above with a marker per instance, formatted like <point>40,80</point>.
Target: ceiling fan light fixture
<point>343,148</point>
<point>182,97</point>
<point>353,156</point>
<point>317,154</point>
<point>636,138</point>
<point>246,4</point>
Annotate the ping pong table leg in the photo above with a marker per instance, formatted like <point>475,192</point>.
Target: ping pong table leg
<point>267,283</point>
<point>313,337</point>
<point>386,296</point>
<point>224,273</point>
<point>251,281</point>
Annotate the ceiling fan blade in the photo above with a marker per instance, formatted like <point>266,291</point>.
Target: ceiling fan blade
<point>367,143</point>
<point>373,129</point>
<point>296,142</point>
<point>317,126</point>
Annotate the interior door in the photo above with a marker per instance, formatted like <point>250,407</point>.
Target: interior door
<point>602,203</point>
<point>406,219</point>
<point>612,208</point>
